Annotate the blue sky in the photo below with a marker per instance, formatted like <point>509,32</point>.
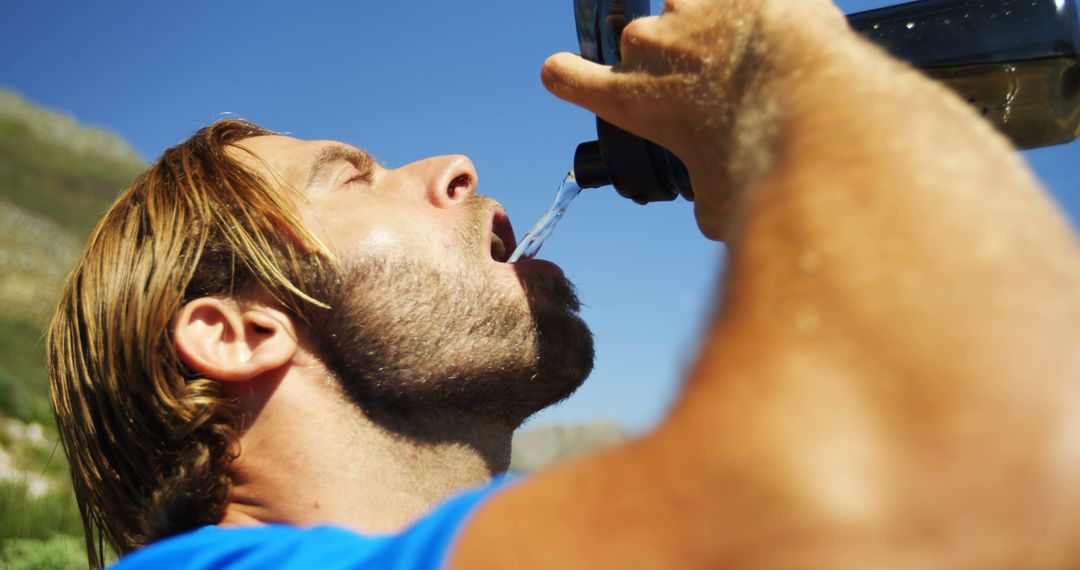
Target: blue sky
<point>406,80</point>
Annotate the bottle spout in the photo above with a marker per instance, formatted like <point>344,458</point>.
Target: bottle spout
<point>589,166</point>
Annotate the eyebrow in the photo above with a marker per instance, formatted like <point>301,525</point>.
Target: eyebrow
<point>331,154</point>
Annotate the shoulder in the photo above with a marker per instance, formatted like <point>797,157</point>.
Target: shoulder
<point>424,545</point>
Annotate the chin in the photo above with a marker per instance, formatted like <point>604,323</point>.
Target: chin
<point>409,340</point>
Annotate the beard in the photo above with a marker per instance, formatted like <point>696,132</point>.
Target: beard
<point>413,343</point>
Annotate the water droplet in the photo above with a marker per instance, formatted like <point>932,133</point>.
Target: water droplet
<point>1014,90</point>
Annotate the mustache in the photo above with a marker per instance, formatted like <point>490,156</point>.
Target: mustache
<point>477,228</point>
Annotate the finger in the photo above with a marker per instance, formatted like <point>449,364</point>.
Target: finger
<point>581,82</point>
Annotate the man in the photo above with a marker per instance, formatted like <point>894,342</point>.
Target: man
<point>268,334</point>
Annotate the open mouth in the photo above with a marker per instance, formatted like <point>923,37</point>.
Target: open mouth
<point>502,236</point>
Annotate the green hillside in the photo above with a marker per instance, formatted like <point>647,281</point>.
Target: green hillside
<point>56,179</point>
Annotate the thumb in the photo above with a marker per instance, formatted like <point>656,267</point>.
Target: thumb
<point>582,82</point>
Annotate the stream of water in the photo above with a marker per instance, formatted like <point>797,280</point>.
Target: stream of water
<point>532,242</point>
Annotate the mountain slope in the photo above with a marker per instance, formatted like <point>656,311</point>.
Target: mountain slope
<point>56,179</point>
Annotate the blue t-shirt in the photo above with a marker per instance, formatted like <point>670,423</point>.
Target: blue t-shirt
<point>424,545</point>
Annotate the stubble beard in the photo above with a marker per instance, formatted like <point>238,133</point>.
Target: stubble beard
<point>410,343</point>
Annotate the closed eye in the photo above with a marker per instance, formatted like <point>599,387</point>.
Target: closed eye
<point>360,178</point>
<point>362,163</point>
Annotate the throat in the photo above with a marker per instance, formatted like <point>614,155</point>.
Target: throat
<point>449,438</point>
<point>370,477</point>
<point>417,463</point>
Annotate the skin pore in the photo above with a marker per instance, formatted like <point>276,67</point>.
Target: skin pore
<point>409,388</point>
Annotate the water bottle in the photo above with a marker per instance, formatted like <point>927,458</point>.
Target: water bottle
<point>1015,61</point>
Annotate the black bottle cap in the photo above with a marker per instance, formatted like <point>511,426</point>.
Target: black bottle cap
<point>589,168</point>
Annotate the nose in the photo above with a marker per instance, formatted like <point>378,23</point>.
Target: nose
<point>446,180</point>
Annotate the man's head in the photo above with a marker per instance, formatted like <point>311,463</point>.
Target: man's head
<point>388,276</point>
<point>427,316</point>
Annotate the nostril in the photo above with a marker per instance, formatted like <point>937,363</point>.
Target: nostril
<point>461,182</point>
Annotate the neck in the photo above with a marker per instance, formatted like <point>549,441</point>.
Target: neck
<point>310,457</point>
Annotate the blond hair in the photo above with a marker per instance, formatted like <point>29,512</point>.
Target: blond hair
<point>149,442</point>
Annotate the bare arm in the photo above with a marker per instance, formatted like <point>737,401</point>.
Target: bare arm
<point>892,378</point>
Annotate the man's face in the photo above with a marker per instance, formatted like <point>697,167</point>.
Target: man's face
<point>427,317</point>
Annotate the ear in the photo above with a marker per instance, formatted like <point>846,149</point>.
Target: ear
<point>223,340</point>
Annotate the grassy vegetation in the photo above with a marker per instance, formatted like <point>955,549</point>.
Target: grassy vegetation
<point>61,178</point>
<point>23,390</point>
<point>23,516</point>
<point>58,180</point>
<point>58,552</point>
<point>57,183</point>
<point>41,533</point>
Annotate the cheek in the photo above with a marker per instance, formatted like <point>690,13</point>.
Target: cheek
<point>377,240</point>
<point>418,242</point>
<point>349,236</point>
<point>388,233</point>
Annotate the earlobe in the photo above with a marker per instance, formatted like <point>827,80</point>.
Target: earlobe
<point>219,338</point>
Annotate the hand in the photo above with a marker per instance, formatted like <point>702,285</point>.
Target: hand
<point>699,80</point>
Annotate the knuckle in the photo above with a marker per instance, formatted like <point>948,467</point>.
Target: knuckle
<point>631,34</point>
<point>681,5</point>
<point>637,36</point>
<point>641,29</point>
